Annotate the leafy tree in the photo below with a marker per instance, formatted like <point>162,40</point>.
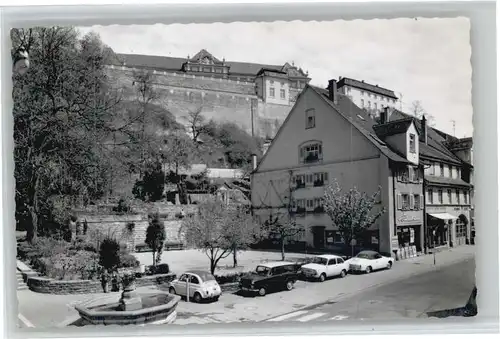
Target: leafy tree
<point>351,212</point>
<point>150,188</point>
<point>279,219</point>
<point>242,230</point>
<point>62,108</point>
<point>208,231</point>
<point>155,238</point>
<point>418,111</point>
<point>109,254</point>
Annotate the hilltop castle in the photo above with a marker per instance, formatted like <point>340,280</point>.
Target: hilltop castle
<point>255,96</point>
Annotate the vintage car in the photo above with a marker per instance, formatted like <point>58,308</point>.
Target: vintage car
<point>270,276</point>
<point>369,261</point>
<point>200,285</point>
<point>325,266</point>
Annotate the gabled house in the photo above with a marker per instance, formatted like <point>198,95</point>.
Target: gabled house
<point>326,137</point>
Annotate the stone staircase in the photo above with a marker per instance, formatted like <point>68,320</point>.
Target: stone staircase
<point>21,285</point>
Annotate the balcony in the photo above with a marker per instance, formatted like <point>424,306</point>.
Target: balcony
<point>319,183</point>
<point>300,184</point>
<point>319,210</point>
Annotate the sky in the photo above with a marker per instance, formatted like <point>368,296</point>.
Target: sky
<point>421,59</point>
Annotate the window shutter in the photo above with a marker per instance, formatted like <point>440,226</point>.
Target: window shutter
<point>421,201</point>
<point>399,202</point>
<point>412,201</point>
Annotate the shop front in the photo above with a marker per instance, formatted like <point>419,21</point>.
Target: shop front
<point>409,231</point>
<point>448,226</point>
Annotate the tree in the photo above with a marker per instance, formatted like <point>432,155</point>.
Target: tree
<point>242,229</point>
<point>418,111</point>
<point>109,254</point>
<point>351,212</point>
<point>150,188</point>
<point>279,218</point>
<point>207,230</point>
<point>155,238</point>
<point>197,123</point>
<point>62,100</point>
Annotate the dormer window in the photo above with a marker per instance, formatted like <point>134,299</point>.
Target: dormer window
<point>413,145</point>
<point>310,118</point>
<point>311,152</point>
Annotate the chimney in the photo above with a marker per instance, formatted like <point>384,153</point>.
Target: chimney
<point>332,91</point>
<point>383,115</point>
<point>254,162</point>
<point>424,129</point>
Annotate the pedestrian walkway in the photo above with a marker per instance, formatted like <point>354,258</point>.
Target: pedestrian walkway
<point>307,316</point>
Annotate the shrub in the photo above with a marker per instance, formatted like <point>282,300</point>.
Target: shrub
<point>122,206</point>
<point>109,254</point>
<point>229,278</point>
<point>79,265</point>
<point>128,261</point>
<point>162,269</point>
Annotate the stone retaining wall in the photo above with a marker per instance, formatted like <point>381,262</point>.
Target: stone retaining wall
<point>51,286</point>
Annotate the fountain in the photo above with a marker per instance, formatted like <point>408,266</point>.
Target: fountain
<point>133,308</point>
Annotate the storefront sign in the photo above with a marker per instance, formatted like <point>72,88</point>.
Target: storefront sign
<point>407,218</point>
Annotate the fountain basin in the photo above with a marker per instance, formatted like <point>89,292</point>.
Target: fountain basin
<point>157,307</point>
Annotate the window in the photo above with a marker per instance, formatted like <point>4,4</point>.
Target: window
<point>194,280</point>
<point>461,229</point>
<point>300,181</point>
<point>340,261</point>
<point>449,196</point>
<point>271,82</point>
<point>440,196</point>
<point>362,103</point>
<point>310,118</point>
<point>271,92</point>
<point>282,84</point>
<point>309,204</point>
<point>432,169</point>
<point>405,202</point>
<point>449,171</point>
<point>282,93</point>
<point>332,262</point>
<point>457,192</point>
<point>375,105</point>
<point>466,196</point>
<point>413,147</point>
<point>430,196</point>
<point>362,93</point>
<point>416,202</point>
<point>320,179</point>
<point>441,170</point>
<point>311,153</point>
<point>301,205</point>
<point>309,178</point>
<point>369,104</point>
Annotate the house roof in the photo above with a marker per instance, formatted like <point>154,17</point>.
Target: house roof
<point>444,181</point>
<point>359,119</point>
<point>435,148</point>
<point>175,64</point>
<point>366,86</point>
<point>393,127</point>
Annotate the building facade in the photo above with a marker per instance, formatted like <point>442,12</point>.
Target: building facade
<point>257,97</point>
<point>372,98</point>
<point>448,185</point>
<point>326,138</point>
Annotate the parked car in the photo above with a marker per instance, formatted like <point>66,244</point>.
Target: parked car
<point>271,276</point>
<point>368,261</point>
<point>325,266</point>
<point>202,286</point>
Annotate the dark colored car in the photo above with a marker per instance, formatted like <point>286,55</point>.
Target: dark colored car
<point>271,276</point>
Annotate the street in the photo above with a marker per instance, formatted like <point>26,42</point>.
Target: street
<point>410,288</point>
<point>413,297</point>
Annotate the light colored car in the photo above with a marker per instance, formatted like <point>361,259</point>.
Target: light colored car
<point>202,286</point>
<point>325,266</point>
<point>369,261</point>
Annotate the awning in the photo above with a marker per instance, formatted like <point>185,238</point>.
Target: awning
<point>443,216</point>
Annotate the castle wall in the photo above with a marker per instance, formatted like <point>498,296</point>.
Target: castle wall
<point>220,99</point>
